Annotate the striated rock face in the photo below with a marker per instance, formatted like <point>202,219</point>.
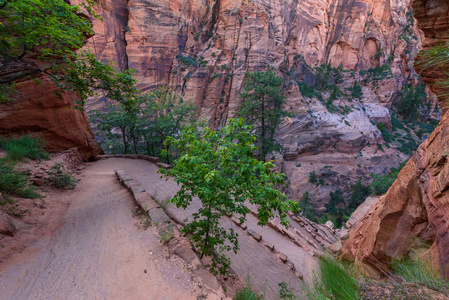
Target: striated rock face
<point>416,207</point>
<point>36,110</point>
<point>203,48</point>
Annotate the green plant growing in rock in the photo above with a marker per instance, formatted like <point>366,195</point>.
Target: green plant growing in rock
<point>261,108</point>
<point>412,98</point>
<point>381,183</point>
<point>285,292</point>
<point>306,206</point>
<point>61,179</point>
<point>218,167</point>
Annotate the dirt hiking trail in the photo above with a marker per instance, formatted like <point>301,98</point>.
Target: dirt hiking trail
<point>98,252</point>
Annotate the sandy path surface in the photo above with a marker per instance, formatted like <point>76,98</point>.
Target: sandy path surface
<point>99,251</point>
<point>264,267</point>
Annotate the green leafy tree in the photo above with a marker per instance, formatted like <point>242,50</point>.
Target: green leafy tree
<point>145,125</point>
<point>411,101</point>
<point>261,108</point>
<point>41,36</point>
<point>307,207</point>
<point>218,167</point>
<point>337,207</point>
<point>358,195</point>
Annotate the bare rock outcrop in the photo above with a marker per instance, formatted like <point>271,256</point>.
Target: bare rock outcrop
<point>37,111</point>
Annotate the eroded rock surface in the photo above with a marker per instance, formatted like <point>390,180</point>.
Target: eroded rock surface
<point>203,48</point>
<point>416,207</point>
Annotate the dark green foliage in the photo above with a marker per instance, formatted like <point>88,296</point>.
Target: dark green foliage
<point>312,177</point>
<point>51,31</point>
<point>412,98</point>
<point>261,108</point>
<point>358,195</point>
<point>388,137</point>
<point>381,183</point>
<point>187,61</point>
<point>144,128</point>
<point>285,292</point>
<point>23,147</point>
<point>337,207</point>
<point>61,179</point>
<point>14,183</point>
<point>218,167</point>
<point>306,206</point>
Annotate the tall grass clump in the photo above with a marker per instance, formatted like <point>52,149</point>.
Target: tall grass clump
<point>23,147</point>
<point>417,271</point>
<point>334,282</point>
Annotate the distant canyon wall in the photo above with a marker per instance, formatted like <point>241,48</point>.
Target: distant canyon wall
<point>416,207</point>
<point>203,48</point>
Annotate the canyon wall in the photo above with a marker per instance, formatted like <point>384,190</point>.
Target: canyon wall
<point>416,207</point>
<point>37,111</point>
<point>203,48</point>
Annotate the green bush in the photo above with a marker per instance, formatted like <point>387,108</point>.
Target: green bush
<point>381,183</point>
<point>312,177</point>
<point>418,272</point>
<point>24,147</point>
<point>247,292</point>
<point>388,137</point>
<point>15,183</point>
<point>61,179</point>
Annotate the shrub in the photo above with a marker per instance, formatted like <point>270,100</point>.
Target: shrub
<point>247,292</point>
<point>14,183</point>
<point>61,179</point>
<point>388,137</point>
<point>285,292</point>
<point>24,147</point>
<point>312,177</point>
<point>166,233</point>
<point>381,183</point>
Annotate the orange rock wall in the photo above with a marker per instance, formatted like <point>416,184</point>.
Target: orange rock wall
<point>417,205</point>
<point>37,111</point>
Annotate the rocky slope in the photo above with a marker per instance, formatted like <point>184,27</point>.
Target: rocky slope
<point>416,207</point>
<point>203,48</point>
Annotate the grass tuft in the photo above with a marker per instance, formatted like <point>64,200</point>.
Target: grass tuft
<point>23,147</point>
<point>417,271</point>
<point>335,282</point>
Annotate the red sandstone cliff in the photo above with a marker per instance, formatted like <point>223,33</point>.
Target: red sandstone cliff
<point>417,205</point>
<point>203,48</point>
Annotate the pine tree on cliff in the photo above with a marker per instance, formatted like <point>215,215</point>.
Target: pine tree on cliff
<point>261,108</point>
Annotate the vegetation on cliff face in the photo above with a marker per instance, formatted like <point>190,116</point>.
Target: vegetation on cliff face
<point>261,108</point>
<point>218,167</point>
<point>41,38</point>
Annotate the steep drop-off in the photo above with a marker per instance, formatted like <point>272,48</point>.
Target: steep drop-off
<point>416,207</point>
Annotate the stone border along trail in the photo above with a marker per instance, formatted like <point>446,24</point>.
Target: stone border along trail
<point>273,253</point>
<point>98,250</point>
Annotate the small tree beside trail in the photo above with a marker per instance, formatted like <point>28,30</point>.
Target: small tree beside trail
<point>261,108</point>
<point>218,167</point>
